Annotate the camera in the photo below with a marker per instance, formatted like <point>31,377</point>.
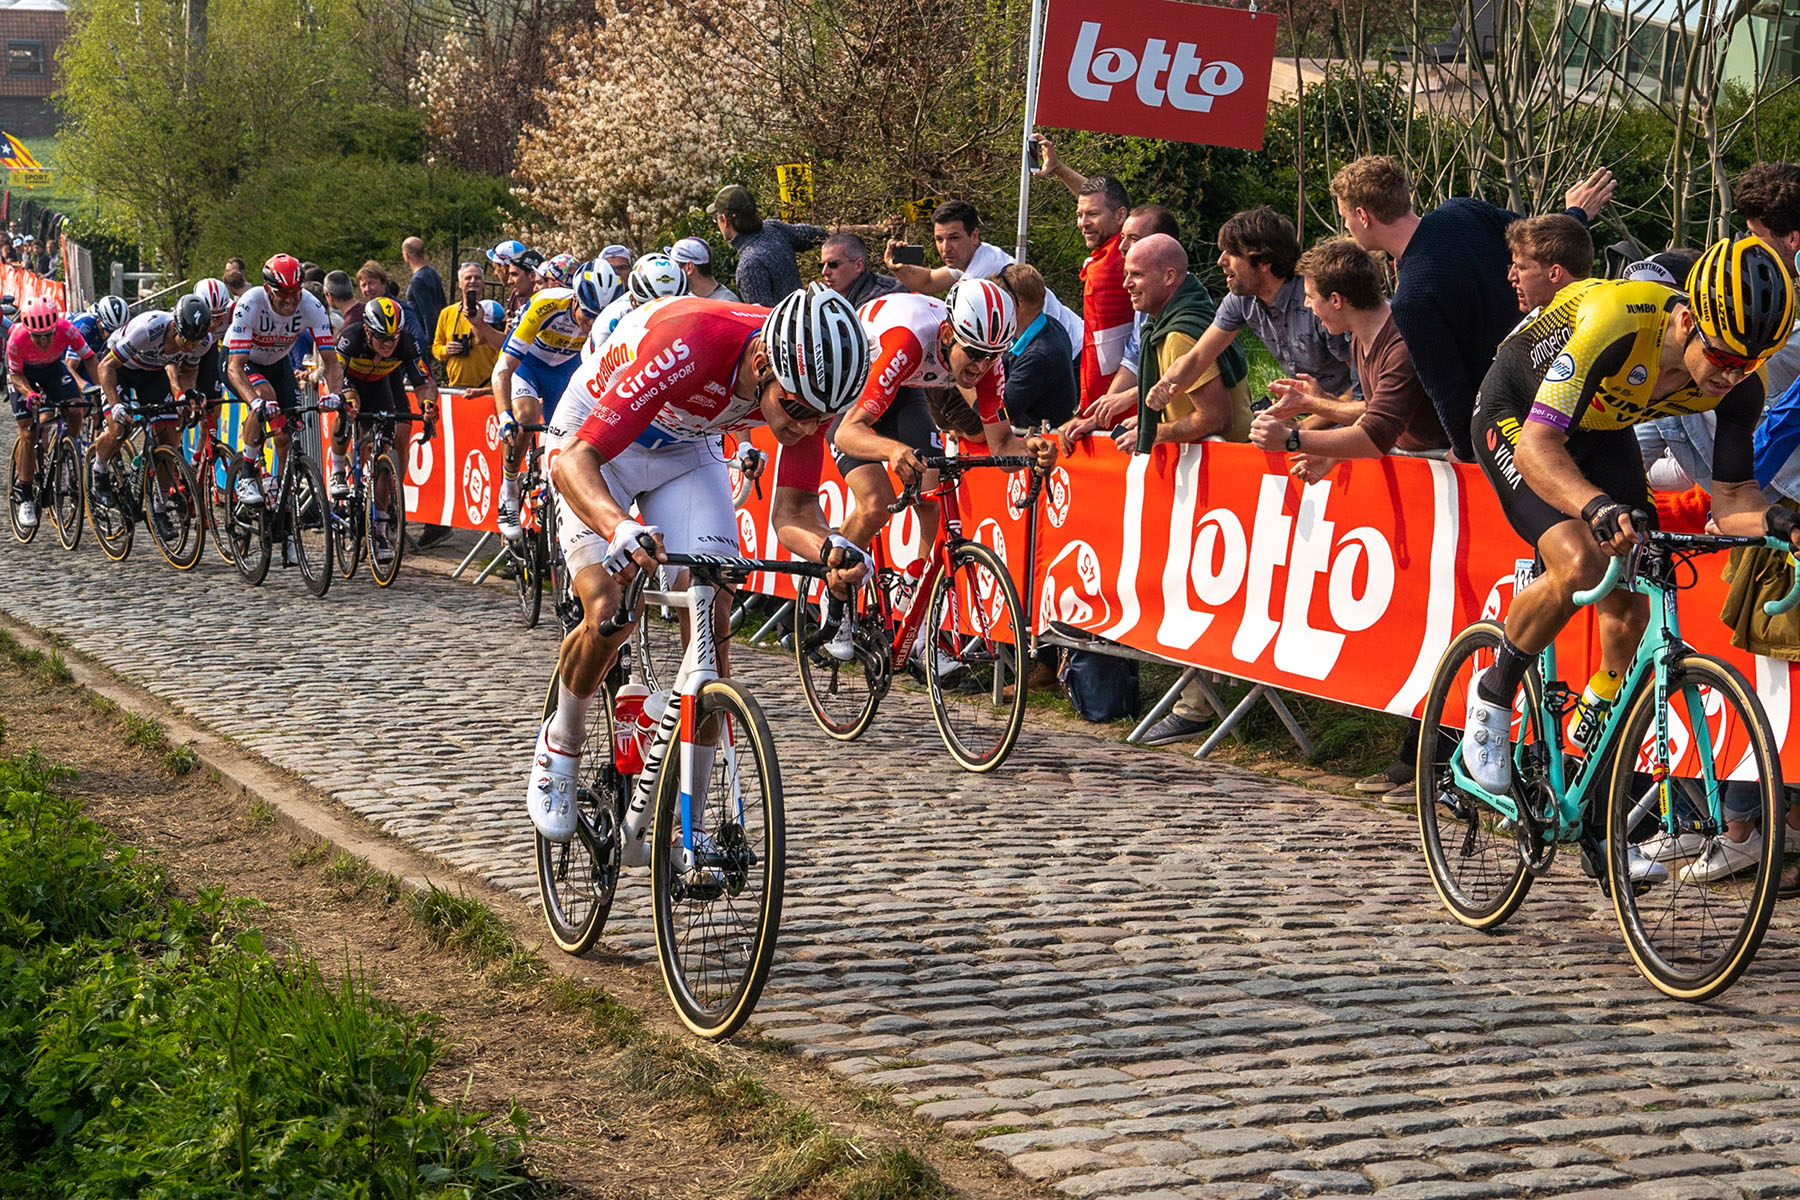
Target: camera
<point>910,255</point>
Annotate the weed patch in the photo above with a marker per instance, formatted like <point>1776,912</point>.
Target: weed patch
<point>146,733</point>
<point>180,760</point>
<point>462,923</point>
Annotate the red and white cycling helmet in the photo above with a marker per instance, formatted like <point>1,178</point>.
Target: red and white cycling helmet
<point>40,315</point>
<point>981,315</point>
<point>216,295</point>
<point>282,271</point>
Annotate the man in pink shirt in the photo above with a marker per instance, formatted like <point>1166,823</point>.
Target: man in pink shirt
<point>34,367</point>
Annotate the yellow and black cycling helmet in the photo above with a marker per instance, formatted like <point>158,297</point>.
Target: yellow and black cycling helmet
<point>381,317</point>
<point>1742,297</point>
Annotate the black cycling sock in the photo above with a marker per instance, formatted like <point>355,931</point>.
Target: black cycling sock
<point>1502,680</point>
<point>834,609</point>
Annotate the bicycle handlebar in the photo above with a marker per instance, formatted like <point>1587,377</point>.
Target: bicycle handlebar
<point>957,464</point>
<point>717,568</point>
<point>1615,570</point>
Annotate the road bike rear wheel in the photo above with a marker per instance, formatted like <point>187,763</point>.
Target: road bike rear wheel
<point>67,500</point>
<point>20,530</point>
<point>717,915</point>
<point>309,523</point>
<point>977,654</point>
<point>843,696</point>
<point>1693,933</point>
<point>214,474</point>
<point>1470,850</point>
<point>249,527</point>
<point>384,520</point>
<point>113,524</point>
<point>171,502</point>
<point>348,524</point>
<point>577,879</point>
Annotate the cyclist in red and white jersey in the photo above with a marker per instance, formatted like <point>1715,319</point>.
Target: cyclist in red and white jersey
<point>922,342</point>
<point>674,377</point>
<point>264,325</point>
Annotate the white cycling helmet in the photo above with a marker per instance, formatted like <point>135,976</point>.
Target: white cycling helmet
<point>817,348</point>
<point>111,312</point>
<point>596,285</point>
<point>981,315</point>
<point>654,276</point>
<point>215,293</point>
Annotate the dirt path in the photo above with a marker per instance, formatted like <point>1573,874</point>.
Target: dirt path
<point>617,1106</point>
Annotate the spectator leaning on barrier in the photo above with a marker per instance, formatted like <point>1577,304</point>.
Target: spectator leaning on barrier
<point>694,257</point>
<point>1217,405</point>
<point>1452,303</point>
<point>1038,366</point>
<point>464,341</point>
<point>1144,220</point>
<point>1343,289</point>
<point>956,231</point>
<point>844,267</point>
<point>425,290</point>
<point>1548,253</point>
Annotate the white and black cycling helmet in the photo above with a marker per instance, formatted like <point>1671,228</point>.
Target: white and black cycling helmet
<point>981,315</point>
<point>654,276</point>
<point>216,294</point>
<point>111,312</point>
<point>817,348</point>
<point>596,286</point>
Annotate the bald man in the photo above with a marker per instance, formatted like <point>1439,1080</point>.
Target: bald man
<point>1177,311</point>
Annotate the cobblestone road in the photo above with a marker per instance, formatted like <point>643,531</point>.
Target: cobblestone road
<point>1131,974</point>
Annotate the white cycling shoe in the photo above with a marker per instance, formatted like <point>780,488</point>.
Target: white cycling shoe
<point>249,490</point>
<point>28,514</point>
<point>1487,744</point>
<point>550,796</point>
<point>842,645</point>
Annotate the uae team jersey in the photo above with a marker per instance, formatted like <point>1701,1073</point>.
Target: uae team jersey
<point>143,344</point>
<point>547,331</point>
<point>668,375</point>
<point>22,352</point>
<point>265,336</point>
<point>903,330</point>
<point>1589,361</point>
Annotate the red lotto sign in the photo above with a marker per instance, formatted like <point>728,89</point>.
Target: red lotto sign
<point>1184,72</point>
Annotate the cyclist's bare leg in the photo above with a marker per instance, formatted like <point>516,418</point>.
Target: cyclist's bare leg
<point>874,491</point>
<point>526,411</point>
<point>1572,561</point>
<point>25,451</point>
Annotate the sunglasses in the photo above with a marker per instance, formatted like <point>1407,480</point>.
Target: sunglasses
<point>832,264</point>
<point>975,355</point>
<point>285,293</point>
<point>388,338</point>
<point>1725,360</point>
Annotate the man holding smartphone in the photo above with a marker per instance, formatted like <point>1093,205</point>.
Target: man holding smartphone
<point>464,341</point>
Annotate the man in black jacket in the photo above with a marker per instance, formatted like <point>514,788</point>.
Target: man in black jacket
<point>844,266</point>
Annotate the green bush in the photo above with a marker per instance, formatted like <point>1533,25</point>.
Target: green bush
<point>153,1048</point>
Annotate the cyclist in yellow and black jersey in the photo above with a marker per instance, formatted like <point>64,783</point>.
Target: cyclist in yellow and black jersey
<point>380,360</point>
<point>1553,433</point>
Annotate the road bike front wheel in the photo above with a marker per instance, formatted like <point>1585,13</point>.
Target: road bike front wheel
<point>977,654</point>
<point>577,878</point>
<point>384,520</point>
<point>309,523</point>
<point>347,523</point>
<point>171,500</point>
<point>114,522</point>
<point>67,500</point>
<point>1470,850</point>
<point>1693,932</point>
<point>718,899</point>
<point>249,527</point>
<point>843,696</point>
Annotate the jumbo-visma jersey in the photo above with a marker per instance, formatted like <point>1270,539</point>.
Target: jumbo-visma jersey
<point>669,373</point>
<point>1595,353</point>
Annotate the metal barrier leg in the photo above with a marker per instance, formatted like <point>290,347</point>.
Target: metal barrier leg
<point>1161,708</point>
<point>493,565</point>
<point>1261,691</point>
<point>470,556</point>
<point>773,621</point>
<point>1287,718</point>
<point>1229,722</point>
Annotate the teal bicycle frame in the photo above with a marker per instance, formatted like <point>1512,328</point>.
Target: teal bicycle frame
<point>1658,647</point>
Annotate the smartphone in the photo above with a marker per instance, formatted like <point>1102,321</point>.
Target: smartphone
<point>1036,152</point>
<point>910,255</point>
<point>1263,405</point>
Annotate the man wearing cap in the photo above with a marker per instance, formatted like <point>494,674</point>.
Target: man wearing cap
<point>520,280</point>
<point>694,257</point>
<point>766,268</point>
<point>619,258</point>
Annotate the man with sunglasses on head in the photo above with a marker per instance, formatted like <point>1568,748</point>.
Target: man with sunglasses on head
<point>676,374</point>
<point>264,325</point>
<point>953,346</point>
<point>1553,433</point>
<point>36,346</point>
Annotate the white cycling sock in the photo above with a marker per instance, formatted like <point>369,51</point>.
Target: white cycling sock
<point>509,489</point>
<point>568,724</point>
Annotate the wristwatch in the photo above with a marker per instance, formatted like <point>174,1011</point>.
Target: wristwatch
<point>1293,440</point>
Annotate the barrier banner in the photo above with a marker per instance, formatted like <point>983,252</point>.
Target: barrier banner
<point>1182,72</point>
<point>23,285</point>
<point>454,479</point>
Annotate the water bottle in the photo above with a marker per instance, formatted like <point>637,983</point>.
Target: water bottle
<point>1592,710</point>
<point>628,710</point>
<point>649,717</point>
<point>908,583</point>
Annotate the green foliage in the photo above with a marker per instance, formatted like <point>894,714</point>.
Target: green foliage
<point>180,760</point>
<point>146,733</point>
<point>151,1048</point>
<point>461,922</point>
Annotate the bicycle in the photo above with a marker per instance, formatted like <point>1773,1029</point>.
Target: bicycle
<point>717,852</point>
<point>363,522</point>
<point>151,482</point>
<point>977,654</point>
<point>537,555</point>
<point>56,484</point>
<point>1690,939</point>
<point>295,509</point>
<point>209,458</point>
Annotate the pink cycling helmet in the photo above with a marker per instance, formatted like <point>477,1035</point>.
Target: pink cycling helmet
<point>40,314</point>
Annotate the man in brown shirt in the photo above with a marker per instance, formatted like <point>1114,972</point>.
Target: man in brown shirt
<point>1343,289</point>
